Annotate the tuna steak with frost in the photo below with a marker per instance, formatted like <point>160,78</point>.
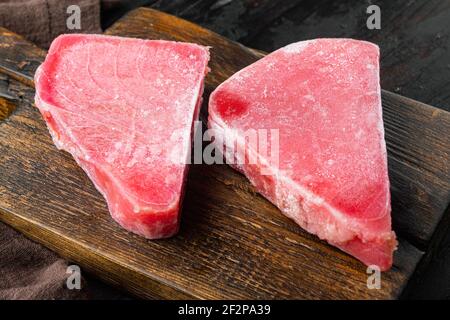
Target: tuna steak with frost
<point>124,108</point>
<point>330,175</point>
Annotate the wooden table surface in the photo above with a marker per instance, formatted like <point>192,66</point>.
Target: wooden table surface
<point>415,151</point>
<point>415,47</point>
<point>415,43</point>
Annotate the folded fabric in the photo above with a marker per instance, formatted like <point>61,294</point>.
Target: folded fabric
<point>40,21</point>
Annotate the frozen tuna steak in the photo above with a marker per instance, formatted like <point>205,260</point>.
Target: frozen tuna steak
<point>124,108</point>
<point>330,176</point>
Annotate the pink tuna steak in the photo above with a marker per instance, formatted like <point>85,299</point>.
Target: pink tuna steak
<point>331,173</point>
<point>124,108</point>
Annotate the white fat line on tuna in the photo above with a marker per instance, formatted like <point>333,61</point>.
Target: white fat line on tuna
<point>240,147</point>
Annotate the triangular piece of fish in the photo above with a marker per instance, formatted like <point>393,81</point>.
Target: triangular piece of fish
<point>327,167</point>
<point>124,108</point>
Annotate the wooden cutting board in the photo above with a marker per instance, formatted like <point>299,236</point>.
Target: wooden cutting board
<point>233,243</point>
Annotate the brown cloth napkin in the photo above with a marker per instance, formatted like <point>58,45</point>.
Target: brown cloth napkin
<point>40,21</point>
<point>29,271</point>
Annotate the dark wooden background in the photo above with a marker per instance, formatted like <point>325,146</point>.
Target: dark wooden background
<point>417,160</point>
<point>414,41</point>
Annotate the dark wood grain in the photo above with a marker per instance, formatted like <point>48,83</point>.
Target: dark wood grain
<point>7,104</point>
<point>234,19</point>
<point>418,142</point>
<point>232,243</point>
<point>19,58</point>
<point>6,107</point>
